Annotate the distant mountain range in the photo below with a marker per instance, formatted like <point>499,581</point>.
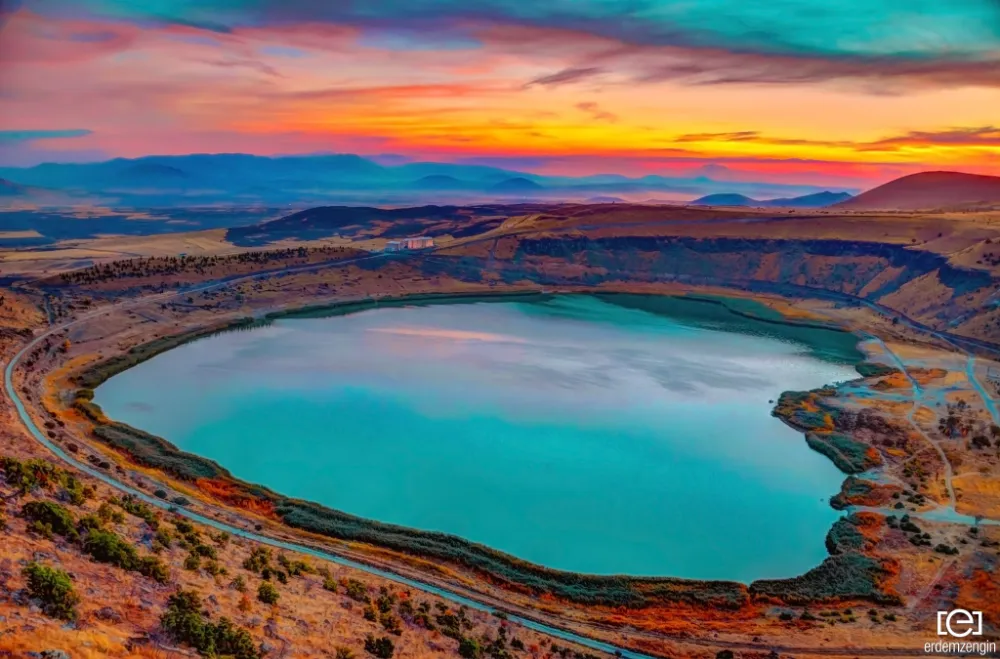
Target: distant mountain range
<point>204,179</point>
<point>816,200</point>
<point>929,191</point>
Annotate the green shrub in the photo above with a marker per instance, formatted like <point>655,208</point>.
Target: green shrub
<point>27,475</point>
<point>55,590</point>
<point>135,507</point>
<point>206,551</point>
<point>185,622</point>
<point>390,623</point>
<point>468,648</point>
<point>267,593</point>
<point>109,514</point>
<point>162,538</point>
<point>153,568</point>
<point>385,600</point>
<point>192,562</point>
<point>379,647</point>
<point>107,547</point>
<point>49,517</point>
<point>357,591</point>
<point>75,492</point>
<point>329,584</point>
<point>89,523</point>
<point>258,560</point>
<point>343,653</point>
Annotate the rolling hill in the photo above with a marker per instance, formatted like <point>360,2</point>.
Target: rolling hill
<point>817,200</point>
<point>928,191</point>
<point>518,186</point>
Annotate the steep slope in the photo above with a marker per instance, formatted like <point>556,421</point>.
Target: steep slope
<point>929,190</point>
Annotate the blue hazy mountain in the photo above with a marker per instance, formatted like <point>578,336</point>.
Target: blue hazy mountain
<point>236,178</point>
<point>518,185</point>
<point>816,200</point>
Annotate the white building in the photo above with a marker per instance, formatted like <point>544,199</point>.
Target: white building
<point>419,242</point>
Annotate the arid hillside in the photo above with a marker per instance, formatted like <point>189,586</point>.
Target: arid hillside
<point>940,270</point>
<point>928,191</point>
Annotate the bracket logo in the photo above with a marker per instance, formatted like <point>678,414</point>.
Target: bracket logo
<point>959,623</point>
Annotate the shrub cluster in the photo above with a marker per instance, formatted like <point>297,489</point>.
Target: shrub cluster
<point>186,623</point>
<point>103,545</point>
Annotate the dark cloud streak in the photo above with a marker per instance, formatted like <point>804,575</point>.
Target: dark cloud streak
<point>565,76</point>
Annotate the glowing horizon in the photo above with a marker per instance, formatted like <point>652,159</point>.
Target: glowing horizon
<point>796,92</point>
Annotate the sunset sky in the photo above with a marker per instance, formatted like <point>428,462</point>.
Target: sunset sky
<point>845,92</point>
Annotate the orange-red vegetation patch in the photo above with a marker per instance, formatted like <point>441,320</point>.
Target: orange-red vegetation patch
<point>871,525</point>
<point>926,375</point>
<point>234,495</point>
<point>894,381</point>
<point>981,592</point>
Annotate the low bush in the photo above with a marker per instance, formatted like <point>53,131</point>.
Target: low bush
<point>54,589</point>
<point>186,623</point>
<point>468,648</point>
<point>357,591</point>
<point>107,547</point>
<point>267,593</point>
<point>47,517</point>
<point>379,647</point>
<point>258,560</point>
<point>27,475</point>
<point>138,508</point>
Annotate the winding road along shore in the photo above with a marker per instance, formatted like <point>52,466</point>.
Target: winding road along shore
<point>522,618</point>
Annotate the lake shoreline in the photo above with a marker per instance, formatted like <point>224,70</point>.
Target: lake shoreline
<point>210,477</point>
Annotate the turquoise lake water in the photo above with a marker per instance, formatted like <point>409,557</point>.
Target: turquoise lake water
<point>580,433</point>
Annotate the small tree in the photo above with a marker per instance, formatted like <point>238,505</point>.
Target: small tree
<point>267,593</point>
<point>55,590</point>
